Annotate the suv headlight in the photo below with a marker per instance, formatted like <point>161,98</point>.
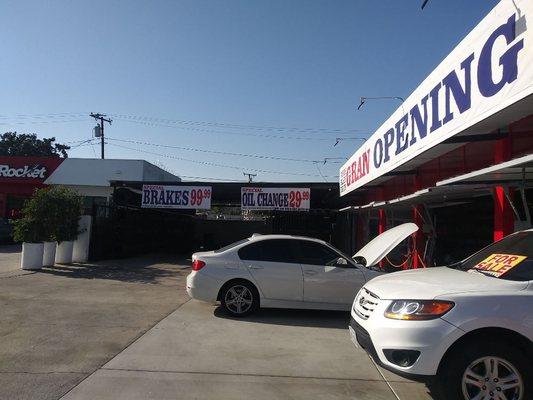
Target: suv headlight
<point>418,309</point>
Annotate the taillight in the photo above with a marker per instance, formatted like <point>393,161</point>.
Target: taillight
<point>197,265</point>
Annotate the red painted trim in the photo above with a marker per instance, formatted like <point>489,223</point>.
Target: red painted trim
<point>382,221</point>
<point>382,227</point>
<point>503,213</point>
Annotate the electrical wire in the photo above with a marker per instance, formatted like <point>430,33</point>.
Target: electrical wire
<point>42,122</point>
<point>185,123</point>
<point>237,126</point>
<point>218,165</point>
<point>213,179</point>
<point>47,116</point>
<point>211,131</point>
<point>320,172</point>
<point>222,152</point>
<point>195,126</point>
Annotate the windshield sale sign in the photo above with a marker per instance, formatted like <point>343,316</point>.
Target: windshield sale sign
<point>282,199</point>
<point>182,197</point>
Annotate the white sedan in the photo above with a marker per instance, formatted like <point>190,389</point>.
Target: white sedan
<point>282,271</point>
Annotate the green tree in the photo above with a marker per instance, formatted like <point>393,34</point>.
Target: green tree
<point>27,144</point>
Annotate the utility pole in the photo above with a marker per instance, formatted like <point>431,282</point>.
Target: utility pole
<point>250,176</point>
<point>101,117</point>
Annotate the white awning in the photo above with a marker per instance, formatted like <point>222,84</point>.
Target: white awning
<point>518,171</point>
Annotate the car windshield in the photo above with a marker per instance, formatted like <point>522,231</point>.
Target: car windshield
<point>510,258</point>
<point>230,246</point>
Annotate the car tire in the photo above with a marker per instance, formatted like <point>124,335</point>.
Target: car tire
<point>464,373</point>
<point>239,298</point>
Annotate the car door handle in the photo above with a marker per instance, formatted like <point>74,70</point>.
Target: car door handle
<point>310,272</point>
<point>255,267</point>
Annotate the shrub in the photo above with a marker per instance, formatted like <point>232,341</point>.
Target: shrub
<point>51,214</point>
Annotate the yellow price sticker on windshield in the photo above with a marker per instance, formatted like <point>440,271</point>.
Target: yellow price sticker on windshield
<point>499,264</point>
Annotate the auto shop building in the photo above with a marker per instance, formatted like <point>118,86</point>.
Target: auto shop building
<point>456,157</point>
<point>20,176</point>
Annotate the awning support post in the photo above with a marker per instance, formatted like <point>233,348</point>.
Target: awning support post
<point>382,227</point>
<point>503,212</point>
<point>418,237</point>
<point>503,215</point>
<point>382,221</point>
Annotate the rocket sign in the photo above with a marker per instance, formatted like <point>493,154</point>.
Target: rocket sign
<point>488,71</point>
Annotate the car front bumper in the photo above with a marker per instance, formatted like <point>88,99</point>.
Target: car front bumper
<point>429,340</point>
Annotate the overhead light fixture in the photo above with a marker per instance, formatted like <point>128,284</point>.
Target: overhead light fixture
<point>364,99</point>
<point>338,140</point>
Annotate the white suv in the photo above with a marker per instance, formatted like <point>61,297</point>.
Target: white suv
<point>469,324</point>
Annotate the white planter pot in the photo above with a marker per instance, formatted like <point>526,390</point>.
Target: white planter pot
<point>64,252</point>
<point>80,254</point>
<point>49,254</point>
<point>32,255</point>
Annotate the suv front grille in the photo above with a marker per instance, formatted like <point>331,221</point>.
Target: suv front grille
<point>365,303</point>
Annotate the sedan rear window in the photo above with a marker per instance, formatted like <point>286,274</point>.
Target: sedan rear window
<point>510,258</point>
<point>230,246</point>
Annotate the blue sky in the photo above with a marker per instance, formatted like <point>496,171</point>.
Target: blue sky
<point>277,69</point>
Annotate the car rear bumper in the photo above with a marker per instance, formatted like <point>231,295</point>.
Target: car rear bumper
<point>202,287</point>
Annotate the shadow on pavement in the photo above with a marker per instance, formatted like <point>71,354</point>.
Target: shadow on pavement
<point>147,269</point>
<point>291,317</point>
<point>10,248</point>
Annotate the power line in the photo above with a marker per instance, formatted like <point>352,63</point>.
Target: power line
<point>212,179</point>
<point>195,126</point>
<point>82,143</point>
<point>237,126</point>
<point>223,125</point>
<point>220,152</point>
<point>320,172</point>
<point>59,117</point>
<point>41,116</point>
<point>42,122</point>
<point>211,131</point>
<point>208,163</point>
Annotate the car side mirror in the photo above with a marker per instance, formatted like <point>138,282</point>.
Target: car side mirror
<point>360,260</point>
<point>341,261</point>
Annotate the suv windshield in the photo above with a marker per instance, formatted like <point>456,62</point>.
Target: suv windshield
<point>511,258</point>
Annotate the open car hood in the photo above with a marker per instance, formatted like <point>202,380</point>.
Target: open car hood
<point>375,250</point>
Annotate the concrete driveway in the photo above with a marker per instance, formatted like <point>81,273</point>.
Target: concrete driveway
<point>10,260</point>
<point>127,330</point>
<point>61,324</point>
<point>197,352</point>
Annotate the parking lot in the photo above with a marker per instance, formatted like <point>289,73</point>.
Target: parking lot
<point>127,330</point>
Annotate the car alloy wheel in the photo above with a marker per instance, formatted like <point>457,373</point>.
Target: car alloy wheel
<point>492,378</point>
<point>238,299</point>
